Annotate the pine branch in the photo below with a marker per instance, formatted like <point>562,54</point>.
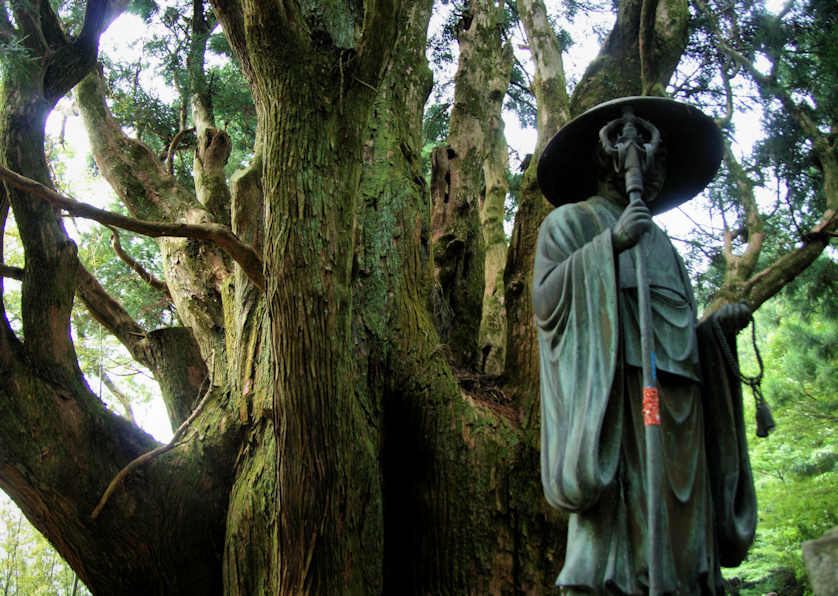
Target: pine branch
<point>766,84</point>
<point>244,254</point>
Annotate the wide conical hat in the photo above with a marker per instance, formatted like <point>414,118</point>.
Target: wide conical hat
<point>567,170</point>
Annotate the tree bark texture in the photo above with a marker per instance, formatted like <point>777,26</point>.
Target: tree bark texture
<point>457,238</point>
<point>492,340</point>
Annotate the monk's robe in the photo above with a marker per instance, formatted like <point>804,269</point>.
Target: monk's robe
<point>593,461</point>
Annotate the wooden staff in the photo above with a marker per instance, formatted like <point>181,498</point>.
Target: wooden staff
<point>632,156</point>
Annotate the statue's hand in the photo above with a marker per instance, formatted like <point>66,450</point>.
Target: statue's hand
<point>734,317</point>
<point>634,221</point>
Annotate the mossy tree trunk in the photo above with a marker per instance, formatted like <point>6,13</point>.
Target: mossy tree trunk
<point>459,184</point>
<point>60,447</point>
<point>492,339</point>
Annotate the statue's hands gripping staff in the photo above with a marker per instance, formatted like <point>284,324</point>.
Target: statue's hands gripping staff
<point>635,220</point>
<point>631,157</point>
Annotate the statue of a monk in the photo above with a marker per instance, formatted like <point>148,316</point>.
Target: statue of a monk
<point>593,461</point>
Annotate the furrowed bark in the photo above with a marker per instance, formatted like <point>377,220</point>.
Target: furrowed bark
<point>321,509</point>
<point>49,278</point>
<point>59,447</point>
<point>618,69</point>
<point>458,497</point>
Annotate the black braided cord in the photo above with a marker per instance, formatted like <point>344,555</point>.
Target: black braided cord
<point>765,422</point>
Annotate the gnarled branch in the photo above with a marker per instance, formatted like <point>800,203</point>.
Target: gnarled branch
<point>132,263</point>
<point>170,155</point>
<point>223,237</point>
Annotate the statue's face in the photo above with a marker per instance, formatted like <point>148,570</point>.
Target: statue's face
<point>612,184</point>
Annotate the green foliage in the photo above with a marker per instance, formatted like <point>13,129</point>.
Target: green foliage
<point>796,467</point>
<point>798,56</point>
<point>14,57</point>
<point>147,306</point>
<point>145,9</point>
<point>435,123</point>
<point>520,99</point>
<point>151,94</point>
<point>234,111</point>
<point>29,566</point>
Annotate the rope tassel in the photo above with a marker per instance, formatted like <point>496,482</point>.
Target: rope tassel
<point>764,420</point>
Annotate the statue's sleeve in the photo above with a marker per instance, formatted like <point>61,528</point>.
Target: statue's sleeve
<point>731,480</point>
<point>575,301</point>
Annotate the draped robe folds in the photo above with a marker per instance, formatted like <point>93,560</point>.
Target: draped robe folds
<point>592,449</point>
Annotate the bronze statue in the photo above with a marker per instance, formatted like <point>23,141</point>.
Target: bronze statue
<point>625,364</point>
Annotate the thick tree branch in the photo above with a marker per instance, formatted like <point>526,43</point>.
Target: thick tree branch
<point>221,236</point>
<point>381,28</point>
<point>742,266</point>
<point>11,272</point>
<point>70,61</point>
<point>170,353</point>
<point>136,267</point>
<point>136,174</point>
<point>549,84</point>
<point>230,16</point>
<point>50,27</point>
<point>620,68</point>
<point>146,188</point>
<point>770,280</point>
<point>113,317</point>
